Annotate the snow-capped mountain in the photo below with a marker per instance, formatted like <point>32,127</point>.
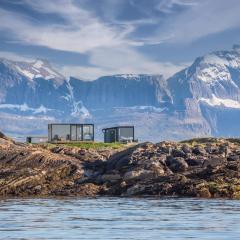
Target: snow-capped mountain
<point>36,69</point>
<point>211,87</point>
<point>201,100</point>
<point>213,78</point>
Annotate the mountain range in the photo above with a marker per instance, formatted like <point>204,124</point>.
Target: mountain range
<point>201,100</point>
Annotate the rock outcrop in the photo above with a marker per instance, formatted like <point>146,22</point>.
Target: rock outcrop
<point>206,168</point>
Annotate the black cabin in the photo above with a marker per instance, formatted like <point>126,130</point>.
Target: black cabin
<point>119,134</point>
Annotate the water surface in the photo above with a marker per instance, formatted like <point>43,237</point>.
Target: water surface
<point>119,218</point>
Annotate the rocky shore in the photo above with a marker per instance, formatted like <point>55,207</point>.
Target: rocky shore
<point>207,168</point>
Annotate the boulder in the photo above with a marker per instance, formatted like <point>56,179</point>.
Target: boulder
<point>134,190</point>
<point>138,175</point>
<point>195,161</point>
<point>110,177</point>
<point>2,135</point>
<point>186,149</point>
<point>178,153</point>
<point>233,158</point>
<point>214,162</point>
<point>177,164</point>
<point>198,150</point>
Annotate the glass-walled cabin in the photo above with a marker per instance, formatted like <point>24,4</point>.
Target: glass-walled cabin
<point>119,134</point>
<point>61,132</point>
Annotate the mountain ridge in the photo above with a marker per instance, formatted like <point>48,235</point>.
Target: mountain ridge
<point>196,101</point>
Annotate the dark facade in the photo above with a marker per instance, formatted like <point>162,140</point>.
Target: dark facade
<point>119,134</point>
<point>70,132</point>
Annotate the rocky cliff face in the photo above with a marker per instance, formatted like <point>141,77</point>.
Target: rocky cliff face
<point>210,89</point>
<point>201,100</point>
<point>199,168</point>
<point>121,91</point>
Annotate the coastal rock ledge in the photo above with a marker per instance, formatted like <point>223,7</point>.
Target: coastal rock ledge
<point>207,168</point>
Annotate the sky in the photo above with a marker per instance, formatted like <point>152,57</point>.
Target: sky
<point>91,38</point>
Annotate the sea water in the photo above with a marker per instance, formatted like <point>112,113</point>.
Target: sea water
<point>119,218</point>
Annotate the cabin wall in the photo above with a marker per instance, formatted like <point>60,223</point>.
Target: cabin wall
<point>70,132</point>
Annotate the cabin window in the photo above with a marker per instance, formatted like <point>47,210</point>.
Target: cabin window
<point>87,133</point>
<point>125,134</point>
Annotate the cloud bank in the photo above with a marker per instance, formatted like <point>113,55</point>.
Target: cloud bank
<point>113,33</point>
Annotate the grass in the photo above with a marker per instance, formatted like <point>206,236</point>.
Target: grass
<point>90,145</point>
<point>213,140</point>
<point>195,141</point>
<point>95,145</point>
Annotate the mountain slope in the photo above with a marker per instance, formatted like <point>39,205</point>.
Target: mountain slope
<point>212,85</point>
<point>201,100</point>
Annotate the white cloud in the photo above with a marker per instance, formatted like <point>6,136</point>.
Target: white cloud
<point>200,20</point>
<point>15,56</point>
<point>167,6</point>
<point>84,73</point>
<point>121,61</point>
<point>107,44</point>
<point>105,62</point>
<point>81,31</point>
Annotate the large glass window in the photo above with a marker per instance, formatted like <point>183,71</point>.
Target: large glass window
<point>73,132</point>
<point>126,134</point>
<point>79,133</point>
<point>70,132</point>
<point>61,132</point>
<point>87,132</point>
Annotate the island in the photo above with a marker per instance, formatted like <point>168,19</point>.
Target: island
<point>204,168</point>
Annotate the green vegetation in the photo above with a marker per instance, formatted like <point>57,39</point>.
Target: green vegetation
<point>211,140</point>
<point>195,141</point>
<point>90,145</point>
<point>95,145</point>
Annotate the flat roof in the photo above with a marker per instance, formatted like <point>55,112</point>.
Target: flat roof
<point>71,124</point>
<point>118,127</point>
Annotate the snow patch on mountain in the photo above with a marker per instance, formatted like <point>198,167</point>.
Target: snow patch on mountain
<point>128,76</point>
<point>78,108</point>
<point>36,69</point>
<point>214,59</point>
<point>148,108</point>
<point>216,101</point>
<point>212,73</point>
<point>216,67</point>
<point>38,64</point>
<point>26,73</point>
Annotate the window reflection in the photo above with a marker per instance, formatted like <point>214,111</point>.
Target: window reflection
<point>70,132</point>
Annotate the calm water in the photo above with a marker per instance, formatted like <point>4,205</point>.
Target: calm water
<point>114,218</point>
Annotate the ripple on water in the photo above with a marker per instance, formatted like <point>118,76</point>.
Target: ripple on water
<point>119,218</point>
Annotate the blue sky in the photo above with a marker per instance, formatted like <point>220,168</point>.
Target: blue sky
<point>91,38</point>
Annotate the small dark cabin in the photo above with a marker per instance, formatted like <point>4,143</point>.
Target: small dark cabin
<point>119,134</point>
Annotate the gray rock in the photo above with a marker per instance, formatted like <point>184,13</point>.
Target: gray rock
<point>214,162</point>
<point>178,153</point>
<point>198,150</point>
<point>110,177</point>
<point>195,161</point>
<point>138,175</point>
<point>177,164</point>
<point>233,158</point>
<point>186,149</point>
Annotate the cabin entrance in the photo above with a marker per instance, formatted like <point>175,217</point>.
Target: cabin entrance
<point>110,135</point>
